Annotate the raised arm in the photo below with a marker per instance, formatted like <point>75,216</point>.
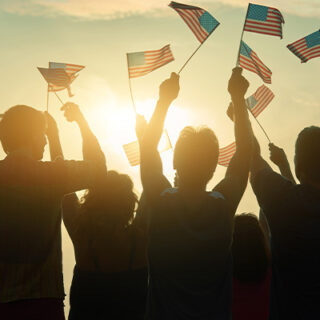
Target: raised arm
<point>152,177</point>
<point>90,146</point>
<point>236,179</point>
<point>52,133</point>
<point>279,158</point>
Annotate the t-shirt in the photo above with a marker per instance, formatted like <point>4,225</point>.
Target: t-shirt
<point>190,269</point>
<point>251,300</point>
<point>293,213</point>
<point>30,221</point>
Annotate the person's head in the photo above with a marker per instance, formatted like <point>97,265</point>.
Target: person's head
<point>307,155</point>
<point>23,127</point>
<point>111,201</point>
<point>250,250</point>
<point>196,156</point>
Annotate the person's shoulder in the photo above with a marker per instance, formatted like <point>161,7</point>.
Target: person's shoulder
<point>169,192</point>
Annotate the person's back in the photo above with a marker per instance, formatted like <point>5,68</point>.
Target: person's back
<point>110,276</point>
<point>190,230</point>
<point>189,257</point>
<point>293,213</point>
<point>31,282</point>
<point>251,270</point>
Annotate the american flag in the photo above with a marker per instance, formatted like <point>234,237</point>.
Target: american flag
<point>226,154</point>
<point>70,69</point>
<point>262,19</point>
<point>307,47</point>
<point>249,60</point>
<point>142,63</point>
<point>201,22</point>
<point>259,100</point>
<point>56,77</point>
<point>132,149</point>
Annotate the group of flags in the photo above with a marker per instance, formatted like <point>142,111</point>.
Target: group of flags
<point>259,19</point>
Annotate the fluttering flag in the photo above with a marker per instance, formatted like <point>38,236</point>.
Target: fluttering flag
<point>265,20</point>
<point>201,22</point>
<point>307,47</point>
<point>57,79</point>
<point>226,154</point>
<point>70,69</point>
<point>249,60</point>
<point>142,63</point>
<point>132,149</point>
<point>259,100</point>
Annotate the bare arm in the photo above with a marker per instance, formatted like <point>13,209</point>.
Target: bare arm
<point>152,177</point>
<point>52,133</point>
<point>90,145</point>
<point>236,179</point>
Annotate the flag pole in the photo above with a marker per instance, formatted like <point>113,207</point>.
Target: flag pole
<point>264,131</point>
<point>191,56</point>
<point>195,51</point>
<point>237,61</point>
<point>130,88</point>
<point>59,98</point>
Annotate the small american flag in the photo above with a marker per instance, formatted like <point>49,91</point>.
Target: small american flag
<point>249,60</point>
<point>132,149</point>
<point>201,22</point>
<point>262,19</point>
<point>142,63</point>
<point>226,154</point>
<point>307,47</point>
<point>56,77</point>
<point>70,69</point>
<point>259,100</point>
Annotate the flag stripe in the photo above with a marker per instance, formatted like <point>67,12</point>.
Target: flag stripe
<point>271,24</point>
<point>226,154</point>
<point>153,59</point>
<point>263,96</point>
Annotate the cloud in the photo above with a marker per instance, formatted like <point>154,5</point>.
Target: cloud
<point>110,9</point>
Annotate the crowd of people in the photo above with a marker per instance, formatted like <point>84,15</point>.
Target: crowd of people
<point>178,252</point>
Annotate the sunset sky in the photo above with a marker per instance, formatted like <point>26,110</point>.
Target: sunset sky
<point>99,33</point>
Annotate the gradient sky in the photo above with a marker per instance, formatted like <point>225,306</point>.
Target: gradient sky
<point>98,34</point>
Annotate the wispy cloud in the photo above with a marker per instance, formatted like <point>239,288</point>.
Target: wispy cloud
<point>110,9</point>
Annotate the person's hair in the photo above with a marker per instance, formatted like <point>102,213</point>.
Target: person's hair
<point>196,154</point>
<point>250,250</point>
<point>307,155</point>
<point>111,202</point>
<point>18,125</point>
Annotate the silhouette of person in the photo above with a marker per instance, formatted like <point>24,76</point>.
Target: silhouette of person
<point>110,276</point>
<point>31,282</point>
<point>292,211</point>
<point>251,269</point>
<point>190,230</point>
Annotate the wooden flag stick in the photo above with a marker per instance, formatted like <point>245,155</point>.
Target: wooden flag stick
<point>191,56</point>
<point>264,131</point>
<point>238,56</point>
<point>59,98</point>
<point>130,88</point>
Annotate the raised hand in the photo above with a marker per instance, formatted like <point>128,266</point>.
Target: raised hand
<point>277,155</point>
<point>238,84</point>
<point>72,112</point>
<point>169,89</point>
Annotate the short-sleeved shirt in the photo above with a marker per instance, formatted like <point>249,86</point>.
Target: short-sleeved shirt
<point>30,224</point>
<point>293,213</point>
<point>189,257</point>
